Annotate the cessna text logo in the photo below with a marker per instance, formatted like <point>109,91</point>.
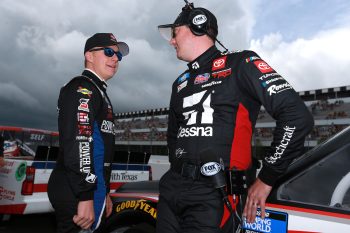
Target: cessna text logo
<point>195,132</point>
<point>192,103</point>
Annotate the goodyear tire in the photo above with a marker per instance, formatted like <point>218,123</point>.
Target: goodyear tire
<point>139,228</point>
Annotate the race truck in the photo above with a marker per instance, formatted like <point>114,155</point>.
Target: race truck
<point>30,156</point>
<point>312,196</point>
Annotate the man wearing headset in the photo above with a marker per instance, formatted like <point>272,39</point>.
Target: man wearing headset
<point>214,104</point>
<point>79,185</point>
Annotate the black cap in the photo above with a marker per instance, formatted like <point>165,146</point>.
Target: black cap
<point>105,39</point>
<point>184,18</point>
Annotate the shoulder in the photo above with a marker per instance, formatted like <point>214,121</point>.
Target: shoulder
<point>79,85</point>
<point>247,55</point>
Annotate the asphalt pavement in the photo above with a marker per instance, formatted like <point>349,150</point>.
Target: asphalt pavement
<point>33,223</point>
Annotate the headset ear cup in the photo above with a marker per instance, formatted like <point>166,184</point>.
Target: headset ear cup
<point>198,22</point>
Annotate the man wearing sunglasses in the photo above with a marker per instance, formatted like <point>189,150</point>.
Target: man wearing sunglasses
<point>79,185</point>
<point>213,109</point>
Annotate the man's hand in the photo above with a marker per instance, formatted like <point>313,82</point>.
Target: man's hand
<point>2,161</point>
<point>85,216</point>
<point>109,205</point>
<point>257,195</point>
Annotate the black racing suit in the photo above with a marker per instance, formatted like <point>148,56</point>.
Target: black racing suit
<point>86,137</point>
<point>215,104</point>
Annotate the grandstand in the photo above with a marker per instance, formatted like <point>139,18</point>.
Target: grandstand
<point>145,130</point>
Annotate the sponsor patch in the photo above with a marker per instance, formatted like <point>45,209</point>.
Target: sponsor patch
<point>263,66</point>
<point>287,136</point>
<point>211,84</point>
<point>90,178</point>
<point>195,65</point>
<point>222,73</point>
<point>84,130</point>
<point>199,19</point>
<point>183,77</point>
<point>202,78</point>
<point>265,76</point>
<point>181,86</point>
<point>84,106</point>
<point>107,127</point>
<point>275,89</point>
<point>84,138</point>
<point>253,58</point>
<point>83,118</point>
<point>219,63</point>
<point>267,82</point>
<point>85,159</point>
<point>210,169</point>
<point>195,132</point>
<point>84,91</point>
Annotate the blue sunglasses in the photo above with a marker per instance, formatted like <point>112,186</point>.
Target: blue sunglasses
<point>109,52</point>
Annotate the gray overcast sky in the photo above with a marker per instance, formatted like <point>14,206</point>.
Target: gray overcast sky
<point>41,48</point>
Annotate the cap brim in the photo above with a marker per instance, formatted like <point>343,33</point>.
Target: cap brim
<point>166,31</point>
<point>123,48</point>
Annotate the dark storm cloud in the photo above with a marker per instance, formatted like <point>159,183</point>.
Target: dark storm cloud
<point>41,48</point>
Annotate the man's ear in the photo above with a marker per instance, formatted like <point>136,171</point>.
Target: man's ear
<point>89,57</point>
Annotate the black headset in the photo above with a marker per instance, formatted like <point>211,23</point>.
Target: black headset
<point>198,22</point>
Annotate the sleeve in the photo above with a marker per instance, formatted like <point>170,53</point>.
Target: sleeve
<point>293,120</point>
<point>78,104</point>
<point>172,126</point>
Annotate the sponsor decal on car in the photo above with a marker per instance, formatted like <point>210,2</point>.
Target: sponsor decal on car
<point>21,171</point>
<point>274,222</point>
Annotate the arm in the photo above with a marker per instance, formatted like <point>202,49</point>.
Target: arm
<point>78,103</point>
<point>172,127</point>
<point>85,216</point>
<point>109,205</point>
<point>293,123</point>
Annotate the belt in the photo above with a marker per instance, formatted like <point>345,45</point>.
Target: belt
<point>187,169</point>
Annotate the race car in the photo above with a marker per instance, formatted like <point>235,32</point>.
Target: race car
<point>312,196</point>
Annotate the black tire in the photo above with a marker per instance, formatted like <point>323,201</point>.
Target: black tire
<point>141,228</point>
